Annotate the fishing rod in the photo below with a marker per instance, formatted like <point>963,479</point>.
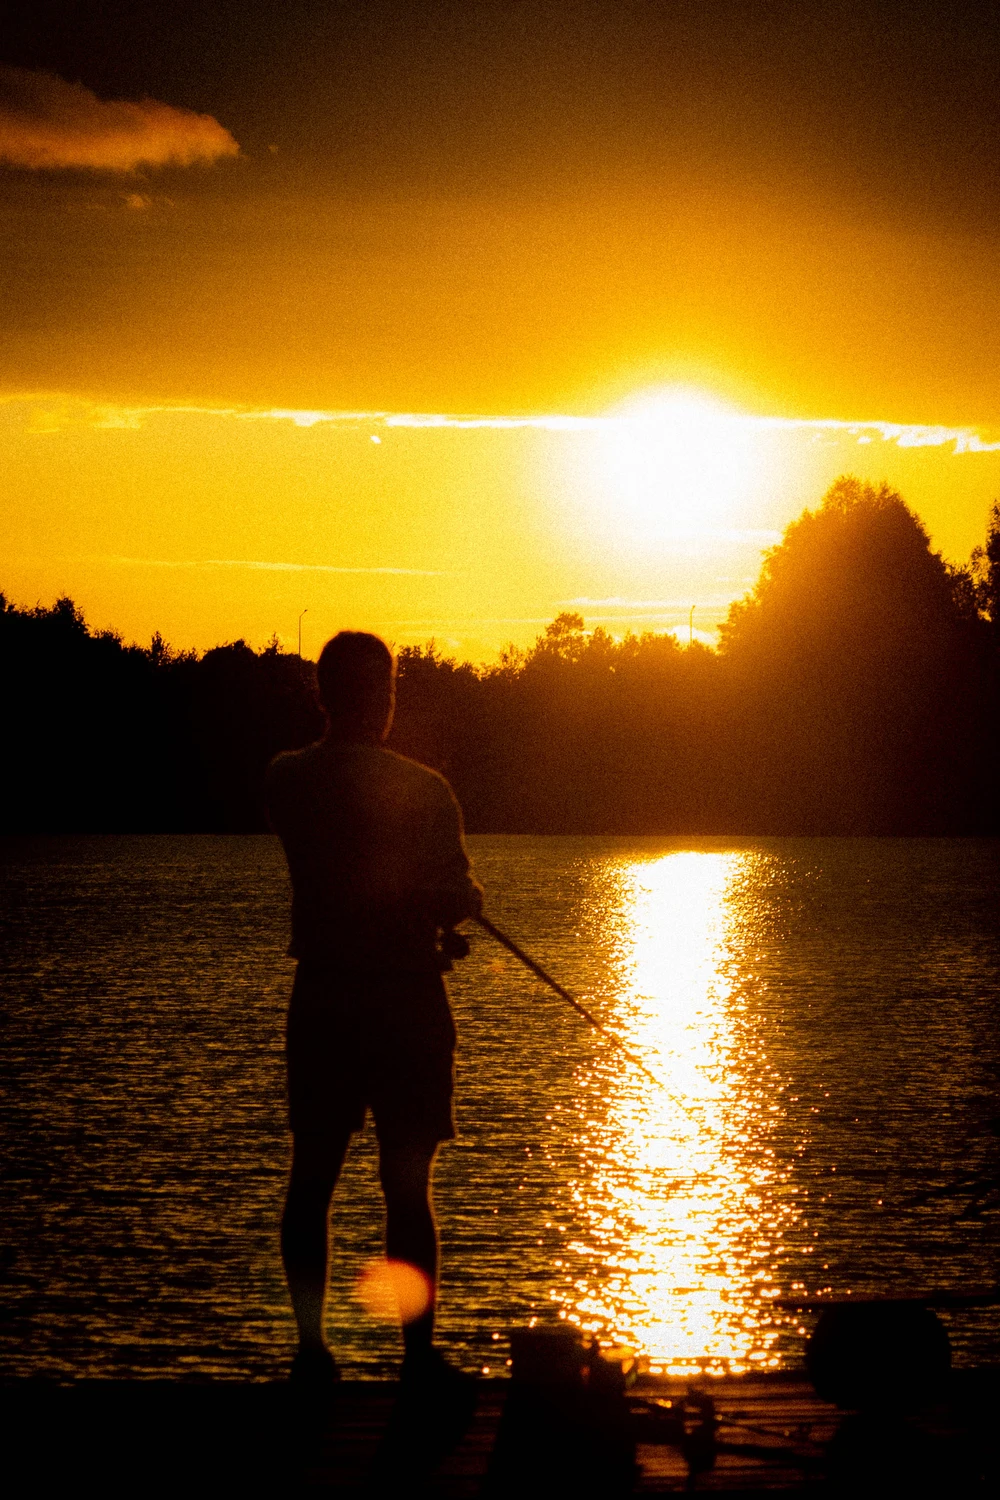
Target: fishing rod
<point>553,984</point>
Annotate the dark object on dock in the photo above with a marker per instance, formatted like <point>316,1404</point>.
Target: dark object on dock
<point>566,1426</point>
<point>878,1354</point>
<point>687,1423</point>
<point>569,1423</point>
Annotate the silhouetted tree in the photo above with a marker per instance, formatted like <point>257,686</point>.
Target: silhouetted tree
<point>857,690</point>
<point>80,748</point>
<point>856,680</point>
<point>104,737</point>
<point>985,572</point>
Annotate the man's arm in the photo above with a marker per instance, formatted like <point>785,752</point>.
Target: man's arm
<point>454,892</point>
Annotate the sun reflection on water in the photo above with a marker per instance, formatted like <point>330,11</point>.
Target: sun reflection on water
<point>677,1185</point>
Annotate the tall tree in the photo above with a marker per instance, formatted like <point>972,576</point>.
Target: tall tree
<point>853,672</point>
<point>986,573</point>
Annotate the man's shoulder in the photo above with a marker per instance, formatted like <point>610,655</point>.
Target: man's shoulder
<point>412,774</point>
<point>292,763</point>
<point>319,760</point>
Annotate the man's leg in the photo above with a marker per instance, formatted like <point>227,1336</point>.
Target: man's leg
<point>316,1164</point>
<point>410,1231</point>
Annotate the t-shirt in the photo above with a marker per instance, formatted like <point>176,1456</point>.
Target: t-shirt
<point>375,852</point>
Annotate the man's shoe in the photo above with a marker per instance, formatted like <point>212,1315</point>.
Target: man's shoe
<point>434,1411</point>
<point>314,1368</point>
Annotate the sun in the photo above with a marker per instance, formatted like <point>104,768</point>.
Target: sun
<point>676,464</point>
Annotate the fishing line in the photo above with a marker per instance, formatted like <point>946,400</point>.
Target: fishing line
<point>581,1010</point>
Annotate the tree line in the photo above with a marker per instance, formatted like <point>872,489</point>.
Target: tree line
<point>855,690</point>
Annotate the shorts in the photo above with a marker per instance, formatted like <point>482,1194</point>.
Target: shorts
<point>384,1042</point>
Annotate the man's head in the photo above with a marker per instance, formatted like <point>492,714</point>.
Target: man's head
<point>357,686</point>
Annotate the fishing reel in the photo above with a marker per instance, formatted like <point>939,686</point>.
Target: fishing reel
<point>451,945</point>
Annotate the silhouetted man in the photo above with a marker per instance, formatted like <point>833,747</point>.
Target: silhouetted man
<point>379,871</point>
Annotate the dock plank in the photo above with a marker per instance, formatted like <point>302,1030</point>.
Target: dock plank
<point>153,1438</point>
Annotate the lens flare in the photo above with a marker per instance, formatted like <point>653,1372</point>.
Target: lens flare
<point>393,1290</point>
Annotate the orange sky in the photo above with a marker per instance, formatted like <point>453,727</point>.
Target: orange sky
<point>219,288</point>
<point>510,209</point>
<point>213,524</point>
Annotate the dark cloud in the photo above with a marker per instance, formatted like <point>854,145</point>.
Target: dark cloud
<point>47,124</point>
<point>522,205</point>
<point>892,101</point>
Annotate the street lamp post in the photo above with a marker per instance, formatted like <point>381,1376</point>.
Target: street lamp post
<point>304,612</point>
<point>691,624</point>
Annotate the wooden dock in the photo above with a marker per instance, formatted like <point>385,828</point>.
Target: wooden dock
<point>142,1438</point>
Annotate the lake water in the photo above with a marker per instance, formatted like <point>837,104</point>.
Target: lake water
<point>823,1015</point>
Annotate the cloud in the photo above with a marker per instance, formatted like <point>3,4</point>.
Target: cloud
<point>902,434</point>
<point>56,411</point>
<point>47,123</point>
<point>616,601</point>
<point>266,567</point>
<point>553,423</point>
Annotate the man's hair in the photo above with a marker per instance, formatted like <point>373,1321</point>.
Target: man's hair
<point>356,675</point>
